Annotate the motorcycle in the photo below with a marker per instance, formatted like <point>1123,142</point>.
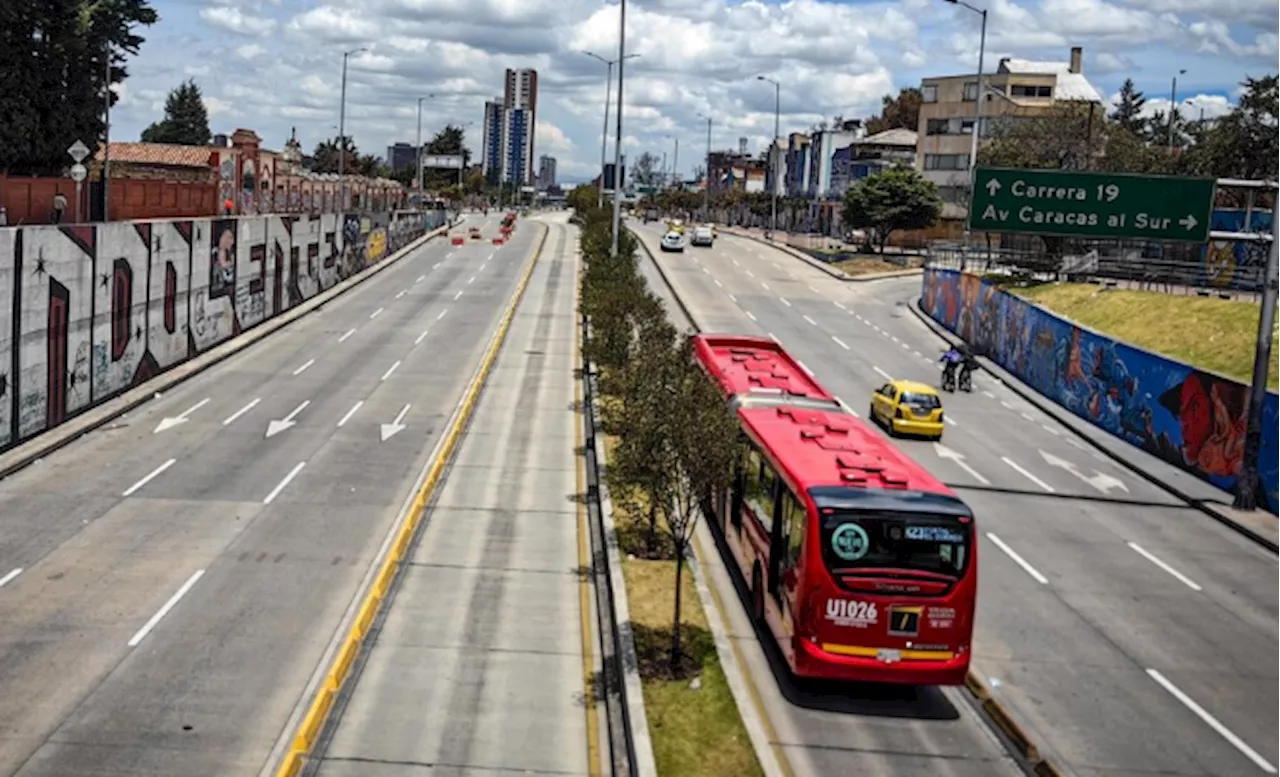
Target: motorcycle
<point>949,379</point>
<point>966,380</point>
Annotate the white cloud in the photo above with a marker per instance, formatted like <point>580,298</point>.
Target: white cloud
<point>697,57</point>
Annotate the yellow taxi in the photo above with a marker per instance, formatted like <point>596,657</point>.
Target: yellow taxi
<point>908,407</point>
<point>676,225</point>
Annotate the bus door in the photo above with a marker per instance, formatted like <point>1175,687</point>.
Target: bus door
<point>784,554</point>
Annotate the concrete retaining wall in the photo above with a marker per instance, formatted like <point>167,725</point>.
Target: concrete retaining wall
<point>88,311</point>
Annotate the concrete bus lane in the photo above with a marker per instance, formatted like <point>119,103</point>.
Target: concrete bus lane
<point>1110,596</point>
<point>479,665</point>
<point>174,632</point>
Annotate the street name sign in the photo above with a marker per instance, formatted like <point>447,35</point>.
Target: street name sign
<point>1096,205</point>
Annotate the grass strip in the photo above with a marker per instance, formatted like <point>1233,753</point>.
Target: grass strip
<point>1212,334</point>
<point>693,718</point>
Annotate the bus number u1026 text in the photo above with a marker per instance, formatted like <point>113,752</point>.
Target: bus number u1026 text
<point>851,612</point>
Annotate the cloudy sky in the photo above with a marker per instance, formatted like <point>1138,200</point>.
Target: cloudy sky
<point>271,65</point>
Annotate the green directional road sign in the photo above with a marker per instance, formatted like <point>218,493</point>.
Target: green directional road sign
<point>1101,205</point>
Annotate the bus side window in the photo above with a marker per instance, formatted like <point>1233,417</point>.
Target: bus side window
<point>759,486</point>
<point>794,527</point>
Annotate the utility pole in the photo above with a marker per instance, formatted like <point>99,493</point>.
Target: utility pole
<point>418,154</point>
<point>617,148</point>
<point>773,156</point>
<point>1247,483</point>
<point>106,137</point>
<point>706,177</point>
<point>977,121</point>
<point>1173,106</point>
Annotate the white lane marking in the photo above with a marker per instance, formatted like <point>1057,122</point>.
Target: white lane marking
<point>1050,430</point>
<point>1027,416</point>
<point>457,296</point>
<point>803,367</point>
<point>471,280</point>
<point>401,293</point>
<point>1141,551</point>
<point>735,263</point>
<point>345,335</point>
<point>1006,405</point>
<point>846,407</point>
<point>152,475</point>
<point>866,321</point>
<point>164,610</point>
<point>734,298</point>
<point>785,301</point>
<point>905,346</point>
<point>718,283</point>
<point>839,305</point>
<point>350,413</point>
<point>774,338</point>
<point>1019,560</point>
<point>814,289</point>
<point>811,321</point>
<point>764,285</point>
<point>9,577</point>
<point>882,373</point>
<point>275,492</point>
<point>751,274</point>
<point>840,342</point>
<point>422,336</point>
<point>375,313</point>
<point>484,264</point>
<point>1027,475</point>
<point>421,278</point>
<point>446,310</point>
<point>950,420</point>
<point>436,266</point>
<point>390,370</point>
<point>775,264</point>
<point>1076,443</point>
<point>895,338</point>
<point>750,315</point>
<point>704,269</point>
<point>946,453</point>
<point>858,316</point>
<point>304,367</point>
<point>987,394</point>
<point>232,418</point>
<point>1212,722</point>
<point>917,353</point>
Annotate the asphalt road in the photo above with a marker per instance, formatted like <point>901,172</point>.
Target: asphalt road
<point>479,667</point>
<point>1132,634</point>
<point>179,586</point>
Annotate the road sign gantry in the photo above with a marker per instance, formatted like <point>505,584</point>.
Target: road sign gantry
<point>1091,205</point>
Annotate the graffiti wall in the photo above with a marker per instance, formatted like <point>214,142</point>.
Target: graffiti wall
<point>1191,419</point>
<point>87,312</point>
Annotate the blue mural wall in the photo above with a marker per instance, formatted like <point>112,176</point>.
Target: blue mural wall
<point>1230,265</point>
<point>1191,419</point>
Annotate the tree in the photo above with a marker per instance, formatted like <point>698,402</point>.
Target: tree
<point>1129,105</point>
<point>902,112</point>
<point>1242,144</point>
<point>644,170</point>
<point>449,141</point>
<point>54,58</point>
<point>701,438</point>
<point>582,198</point>
<point>325,158</point>
<point>898,198</point>
<point>185,122</point>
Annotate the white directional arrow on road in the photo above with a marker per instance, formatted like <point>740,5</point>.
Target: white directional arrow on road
<point>993,186</point>
<point>181,418</point>
<point>395,427</point>
<point>946,453</point>
<point>276,427</point>
<point>1188,221</point>
<point>1099,480</point>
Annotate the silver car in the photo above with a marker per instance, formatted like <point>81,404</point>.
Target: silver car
<point>673,241</point>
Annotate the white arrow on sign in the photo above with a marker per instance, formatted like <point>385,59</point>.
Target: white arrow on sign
<point>946,453</point>
<point>1099,480</point>
<point>276,427</point>
<point>179,419</point>
<point>1188,221</point>
<point>395,427</point>
<point>993,186</point>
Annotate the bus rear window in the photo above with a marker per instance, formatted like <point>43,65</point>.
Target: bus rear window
<point>921,401</point>
<point>911,542</point>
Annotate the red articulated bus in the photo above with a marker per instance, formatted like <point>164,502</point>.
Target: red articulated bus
<point>861,564</point>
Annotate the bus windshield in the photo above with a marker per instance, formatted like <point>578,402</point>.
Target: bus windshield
<point>906,541</point>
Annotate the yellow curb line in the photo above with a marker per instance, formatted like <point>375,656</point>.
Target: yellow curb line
<point>313,722</point>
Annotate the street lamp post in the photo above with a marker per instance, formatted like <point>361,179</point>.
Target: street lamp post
<point>706,176</point>
<point>342,131</point>
<point>106,138</point>
<point>773,155</point>
<point>675,160</point>
<point>1173,106</point>
<point>977,121</point>
<point>617,141</point>
<point>418,147</point>
<point>604,133</point>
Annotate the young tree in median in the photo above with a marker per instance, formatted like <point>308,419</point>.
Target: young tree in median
<point>185,122</point>
<point>700,441</point>
<point>898,198</point>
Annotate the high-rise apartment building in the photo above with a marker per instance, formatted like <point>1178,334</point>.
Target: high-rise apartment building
<point>546,172</point>
<point>509,129</point>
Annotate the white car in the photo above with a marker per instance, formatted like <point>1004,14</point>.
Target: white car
<point>673,241</point>
<point>703,236</point>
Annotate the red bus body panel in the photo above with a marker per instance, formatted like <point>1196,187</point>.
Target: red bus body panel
<point>842,629</point>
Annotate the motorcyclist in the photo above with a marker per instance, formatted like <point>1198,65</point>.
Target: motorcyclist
<point>952,359</point>
<point>968,364</point>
